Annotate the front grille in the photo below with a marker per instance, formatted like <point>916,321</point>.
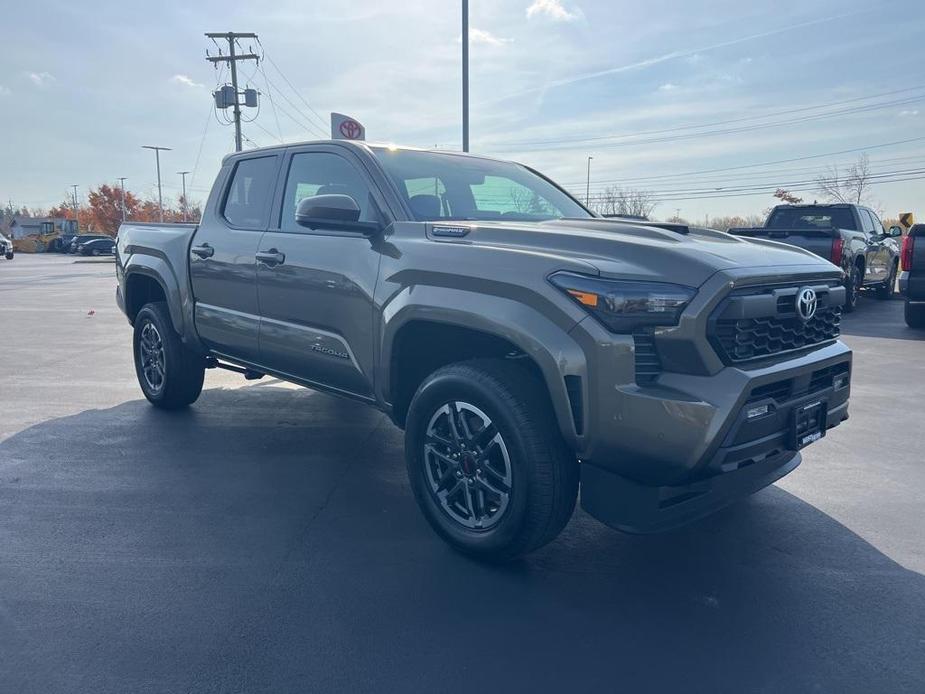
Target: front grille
<point>751,338</point>
<point>648,365</point>
<point>761,321</point>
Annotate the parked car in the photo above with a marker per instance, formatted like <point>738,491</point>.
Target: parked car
<point>683,367</point>
<point>850,236</point>
<point>77,241</point>
<point>6,247</point>
<point>912,277</point>
<point>97,247</point>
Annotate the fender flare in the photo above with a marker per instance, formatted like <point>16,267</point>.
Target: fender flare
<point>157,269</point>
<point>546,342</point>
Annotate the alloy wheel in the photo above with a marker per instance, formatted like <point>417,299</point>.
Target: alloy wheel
<point>151,354</point>
<point>467,466</point>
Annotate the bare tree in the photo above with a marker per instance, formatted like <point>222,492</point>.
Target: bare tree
<point>786,196</point>
<point>617,201</point>
<point>852,186</point>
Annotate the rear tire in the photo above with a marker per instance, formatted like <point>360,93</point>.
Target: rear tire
<point>886,291</point>
<point>852,288</point>
<point>525,455</point>
<point>915,315</point>
<point>169,373</point>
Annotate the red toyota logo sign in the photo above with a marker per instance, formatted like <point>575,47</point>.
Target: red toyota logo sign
<point>350,129</point>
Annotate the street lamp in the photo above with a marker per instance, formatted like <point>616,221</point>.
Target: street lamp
<point>185,201</point>
<point>465,75</point>
<point>122,190</point>
<point>588,185</point>
<point>76,207</point>
<point>157,157</point>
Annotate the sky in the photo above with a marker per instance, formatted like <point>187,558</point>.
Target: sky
<point>706,105</point>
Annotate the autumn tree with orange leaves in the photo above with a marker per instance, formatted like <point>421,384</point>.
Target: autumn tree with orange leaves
<point>103,212</point>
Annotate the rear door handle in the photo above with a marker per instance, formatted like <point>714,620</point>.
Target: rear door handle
<point>203,251</point>
<point>271,257</point>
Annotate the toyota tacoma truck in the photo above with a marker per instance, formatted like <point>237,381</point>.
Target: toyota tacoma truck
<point>850,236</point>
<point>524,344</point>
<point>912,277</point>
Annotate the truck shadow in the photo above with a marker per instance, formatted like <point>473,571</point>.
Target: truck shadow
<point>876,318</point>
<point>268,537</point>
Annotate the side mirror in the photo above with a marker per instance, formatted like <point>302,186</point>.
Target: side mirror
<point>895,232</point>
<point>332,211</point>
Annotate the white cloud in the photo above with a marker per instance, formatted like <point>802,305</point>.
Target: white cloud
<point>668,87</point>
<point>552,9</point>
<point>186,81</point>
<point>41,79</point>
<point>485,37</point>
<point>904,114</point>
<point>5,91</point>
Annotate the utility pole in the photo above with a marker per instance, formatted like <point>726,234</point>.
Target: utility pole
<point>76,208</point>
<point>588,185</point>
<point>185,201</point>
<point>232,59</point>
<point>465,75</point>
<point>677,213</point>
<point>157,158</point>
<point>122,189</point>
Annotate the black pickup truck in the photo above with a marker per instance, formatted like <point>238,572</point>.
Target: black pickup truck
<point>912,278</point>
<point>850,236</point>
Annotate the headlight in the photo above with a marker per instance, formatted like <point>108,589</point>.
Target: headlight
<point>623,306</point>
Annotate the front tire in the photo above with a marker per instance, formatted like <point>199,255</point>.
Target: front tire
<point>486,462</point>
<point>169,373</point>
<point>915,315</point>
<point>852,288</point>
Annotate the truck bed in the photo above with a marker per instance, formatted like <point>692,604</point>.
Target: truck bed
<point>818,241</point>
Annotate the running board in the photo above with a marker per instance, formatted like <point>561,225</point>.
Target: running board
<point>249,374</point>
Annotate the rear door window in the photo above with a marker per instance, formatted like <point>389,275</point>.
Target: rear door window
<point>247,201</point>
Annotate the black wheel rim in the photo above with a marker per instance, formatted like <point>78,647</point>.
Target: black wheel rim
<point>151,356</point>
<point>467,466</point>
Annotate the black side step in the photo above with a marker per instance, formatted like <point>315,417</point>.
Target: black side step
<point>249,374</point>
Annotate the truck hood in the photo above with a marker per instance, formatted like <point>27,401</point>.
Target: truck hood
<point>634,251</point>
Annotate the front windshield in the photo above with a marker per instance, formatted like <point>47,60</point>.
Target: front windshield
<point>442,186</point>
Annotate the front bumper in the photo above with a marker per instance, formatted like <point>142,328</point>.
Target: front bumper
<point>741,439</point>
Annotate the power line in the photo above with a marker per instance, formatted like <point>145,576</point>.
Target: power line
<point>765,163</point>
<point>321,120</point>
<point>765,180</point>
<point>767,191</point>
<point>272,104</point>
<point>733,131</point>
<point>772,114</point>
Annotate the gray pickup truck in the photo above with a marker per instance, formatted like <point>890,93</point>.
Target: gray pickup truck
<point>850,236</point>
<point>524,344</point>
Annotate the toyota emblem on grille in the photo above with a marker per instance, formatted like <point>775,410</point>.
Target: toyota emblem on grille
<point>806,303</point>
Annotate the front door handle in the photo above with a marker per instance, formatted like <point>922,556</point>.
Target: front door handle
<point>271,257</point>
<point>203,251</point>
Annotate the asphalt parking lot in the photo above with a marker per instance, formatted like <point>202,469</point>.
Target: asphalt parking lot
<point>267,540</point>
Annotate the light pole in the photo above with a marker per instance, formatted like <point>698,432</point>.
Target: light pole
<point>157,157</point>
<point>122,190</point>
<point>185,202</point>
<point>76,208</point>
<point>465,75</point>
<point>588,185</point>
